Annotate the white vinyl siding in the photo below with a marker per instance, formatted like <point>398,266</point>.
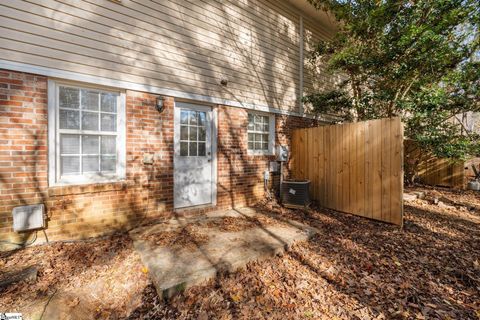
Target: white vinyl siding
<point>86,134</point>
<point>187,46</point>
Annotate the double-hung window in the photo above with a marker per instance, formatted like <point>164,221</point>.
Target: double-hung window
<point>261,133</point>
<point>86,134</point>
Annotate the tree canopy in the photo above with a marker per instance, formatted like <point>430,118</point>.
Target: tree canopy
<point>416,59</point>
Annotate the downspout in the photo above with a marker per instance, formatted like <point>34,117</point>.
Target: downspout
<point>300,67</point>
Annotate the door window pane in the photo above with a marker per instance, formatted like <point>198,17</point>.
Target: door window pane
<point>184,117</point>
<point>202,118</point>
<point>69,119</point>
<point>183,132</point>
<point>192,149</point>
<point>193,118</point>
<point>193,134</point>
<point>202,134</point>
<point>184,149</point>
<point>201,149</point>
<point>90,121</point>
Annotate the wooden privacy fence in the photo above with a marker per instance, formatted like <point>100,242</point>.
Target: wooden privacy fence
<point>439,171</point>
<point>355,167</point>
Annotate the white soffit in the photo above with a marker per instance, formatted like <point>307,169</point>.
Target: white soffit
<point>325,19</point>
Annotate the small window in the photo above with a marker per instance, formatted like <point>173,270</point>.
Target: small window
<point>88,135</point>
<point>260,131</point>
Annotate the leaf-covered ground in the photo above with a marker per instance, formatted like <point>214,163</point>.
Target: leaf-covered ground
<point>353,268</point>
<point>98,279</point>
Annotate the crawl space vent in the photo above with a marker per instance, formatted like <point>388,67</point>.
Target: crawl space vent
<point>28,217</point>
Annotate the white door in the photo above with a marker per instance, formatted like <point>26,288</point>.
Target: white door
<point>193,159</point>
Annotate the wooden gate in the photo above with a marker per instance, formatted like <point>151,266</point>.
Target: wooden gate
<point>355,167</point>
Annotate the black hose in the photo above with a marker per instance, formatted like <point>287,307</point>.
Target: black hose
<point>21,244</point>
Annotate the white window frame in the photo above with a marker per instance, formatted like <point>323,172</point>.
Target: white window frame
<point>271,135</point>
<point>54,178</point>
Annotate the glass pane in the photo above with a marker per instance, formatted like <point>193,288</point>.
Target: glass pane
<point>90,144</point>
<point>265,146</point>
<point>184,149</point>
<point>258,127</point>
<point>258,137</point>
<point>258,119</point>
<point>193,134</point>
<point>183,132</point>
<point>202,118</point>
<point>69,144</point>
<point>265,138</point>
<point>70,165</point>
<point>69,98</point>
<point>109,145</point>
<point>251,137</point>
<point>251,125</point>
<point>89,99</point>
<point>69,119</point>
<point>90,121</point>
<point>258,146</point>
<point>108,102</point>
<point>201,149</point>
<point>202,134</point>
<point>250,146</point>
<point>109,122</point>
<point>90,164</point>
<point>108,163</point>
<point>184,117</point>
<point>193,118</point>
<point>266,127</point>
<point>192,149</point>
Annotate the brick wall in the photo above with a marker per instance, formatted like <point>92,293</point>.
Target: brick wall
<point>147,193</point>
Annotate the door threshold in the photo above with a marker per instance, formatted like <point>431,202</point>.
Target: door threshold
<point>198,207</point>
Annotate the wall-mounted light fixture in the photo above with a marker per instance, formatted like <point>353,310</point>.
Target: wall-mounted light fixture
<point>159,104</point>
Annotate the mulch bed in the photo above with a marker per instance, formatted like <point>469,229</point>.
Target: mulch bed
<point>353,269</point>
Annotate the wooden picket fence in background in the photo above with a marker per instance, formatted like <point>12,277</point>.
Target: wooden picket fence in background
<point>355,167</point>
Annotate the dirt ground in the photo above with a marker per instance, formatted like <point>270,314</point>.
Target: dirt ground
<point>353,269</point>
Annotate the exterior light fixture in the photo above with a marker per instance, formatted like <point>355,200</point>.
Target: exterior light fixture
<point>159,104</point>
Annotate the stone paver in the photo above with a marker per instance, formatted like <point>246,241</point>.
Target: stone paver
<point>175,269</point>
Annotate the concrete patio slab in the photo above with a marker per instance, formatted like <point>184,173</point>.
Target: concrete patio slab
<point>175,268</point>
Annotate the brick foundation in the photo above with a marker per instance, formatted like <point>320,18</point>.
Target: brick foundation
<point>76,212</point>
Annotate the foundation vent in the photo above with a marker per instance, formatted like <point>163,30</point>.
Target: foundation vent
<point>28,217</point>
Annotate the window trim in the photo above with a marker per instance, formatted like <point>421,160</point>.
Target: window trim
<point>54,138</point>
<point>271,135</point>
